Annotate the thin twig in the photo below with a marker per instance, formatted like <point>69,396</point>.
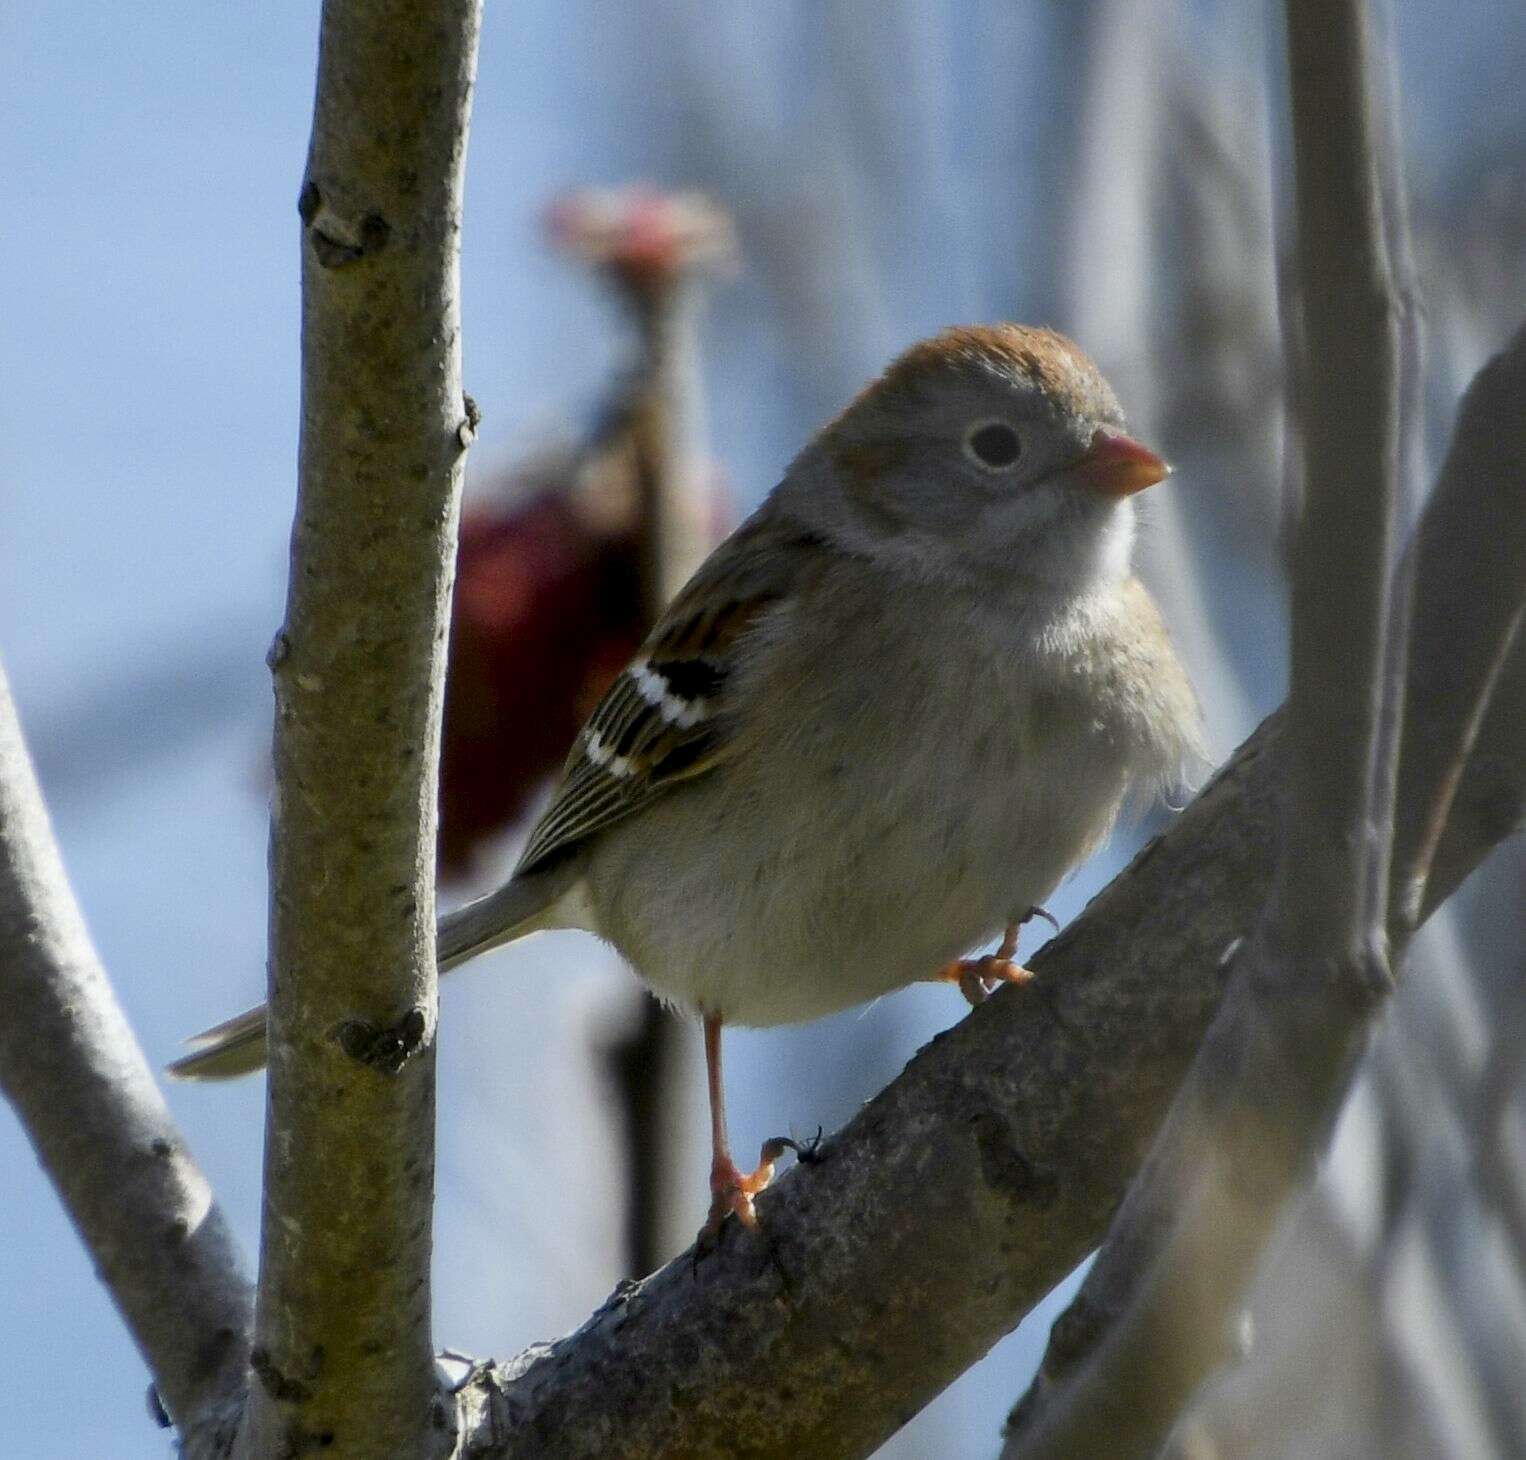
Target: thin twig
<point>83,1091</point>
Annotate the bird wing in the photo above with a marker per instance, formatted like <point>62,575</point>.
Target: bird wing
<point>664,720</point>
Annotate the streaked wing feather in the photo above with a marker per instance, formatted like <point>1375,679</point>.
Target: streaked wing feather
<point>663,720</point>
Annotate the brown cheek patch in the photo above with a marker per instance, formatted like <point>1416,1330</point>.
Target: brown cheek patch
<point>863,467</point>
<point>862,463</point>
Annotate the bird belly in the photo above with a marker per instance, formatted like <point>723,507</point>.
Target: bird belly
<point>801,884</point>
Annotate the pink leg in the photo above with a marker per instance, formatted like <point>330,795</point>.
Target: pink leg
<point>730,1190</point>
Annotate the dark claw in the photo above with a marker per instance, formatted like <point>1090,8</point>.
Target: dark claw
<point>621,1294</point>
<point>710,1238</point>
<point>805,1151</point>
<point>1041,912</point>
<point>808,1153</point>
<point>472,1368</point>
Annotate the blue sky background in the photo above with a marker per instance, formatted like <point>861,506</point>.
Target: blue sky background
<point>150,158</point>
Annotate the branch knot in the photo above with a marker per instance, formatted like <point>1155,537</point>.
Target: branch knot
<point>386,1048</point>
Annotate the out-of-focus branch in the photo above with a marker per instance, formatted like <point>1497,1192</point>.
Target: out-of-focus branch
<point>1340,566</point>
<point>83,1091</point>
<point>964,1191</point>
<point>1488,804</point>
<point>1474,562</point>
<point>342,1356</point>
<point>656,250</point>
<point>676,532</point>
<point>1155,1314</point>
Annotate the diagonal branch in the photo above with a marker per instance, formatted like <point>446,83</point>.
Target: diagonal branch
<point>966,1190</point>
<point>83,1091</point>
<point>1154,1316</point>
<point>342,1354</point>
<point>1474,561</point>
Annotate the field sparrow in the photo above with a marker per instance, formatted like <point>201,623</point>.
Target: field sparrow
<point>882,721</point>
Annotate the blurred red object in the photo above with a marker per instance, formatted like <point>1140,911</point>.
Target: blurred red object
<point>551,599</point>
<point>546,613</point>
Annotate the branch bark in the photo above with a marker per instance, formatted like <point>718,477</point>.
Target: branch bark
<point>83,1091</point>
<point>343,1357</point>
<point>966,1190</point>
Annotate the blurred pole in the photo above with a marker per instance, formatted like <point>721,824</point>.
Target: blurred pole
<point>666,244</point>
<point>647,1065</point>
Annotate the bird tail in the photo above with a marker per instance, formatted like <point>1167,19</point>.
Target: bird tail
<point>223,1052</point>
<point>522,905</point>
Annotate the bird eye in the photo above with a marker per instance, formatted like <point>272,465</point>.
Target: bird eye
<point>993,445</point>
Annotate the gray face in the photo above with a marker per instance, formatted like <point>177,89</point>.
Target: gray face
<point>962,465</point>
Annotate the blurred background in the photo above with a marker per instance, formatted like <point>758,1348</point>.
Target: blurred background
<point>1114,169</point>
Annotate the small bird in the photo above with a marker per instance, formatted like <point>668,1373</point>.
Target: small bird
<point>877,727</point>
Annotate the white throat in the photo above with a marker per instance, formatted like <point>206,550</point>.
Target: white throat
<point>1114,549</point>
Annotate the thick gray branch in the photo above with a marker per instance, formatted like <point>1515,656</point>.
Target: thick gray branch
<point>342,1357</point>
<point>84,1094</point>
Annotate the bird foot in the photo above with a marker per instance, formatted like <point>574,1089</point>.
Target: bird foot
<point>731,1192</point>
<point>979,978</point>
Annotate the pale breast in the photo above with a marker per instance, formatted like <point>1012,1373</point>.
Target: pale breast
<point>874,823</point>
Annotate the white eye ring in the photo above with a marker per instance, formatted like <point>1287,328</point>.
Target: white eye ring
<point>993,445</point>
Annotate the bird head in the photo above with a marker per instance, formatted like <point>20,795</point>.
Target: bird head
<point>994,449</point>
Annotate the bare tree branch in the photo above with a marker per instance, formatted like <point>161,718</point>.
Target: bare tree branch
<point>1487,806</point>
<point>1155,1314</point>
<point>1481,538</point>
<point>1340,567</point>
<point>969,1187</point>
<point>343,1357</point>
<point>83,1091</point>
